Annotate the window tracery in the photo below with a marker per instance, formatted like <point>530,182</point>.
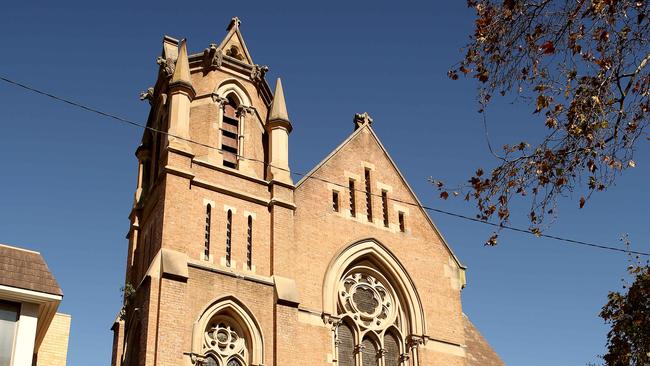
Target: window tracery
<point>226,334</point>
<point>224,343</point>
<point>371,327</point>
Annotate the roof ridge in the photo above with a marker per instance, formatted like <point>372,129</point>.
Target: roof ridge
<point>19,248</point>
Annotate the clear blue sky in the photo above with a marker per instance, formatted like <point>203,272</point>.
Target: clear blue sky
<point>68,176</point>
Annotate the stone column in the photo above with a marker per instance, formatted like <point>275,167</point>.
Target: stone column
<point>214,155</point>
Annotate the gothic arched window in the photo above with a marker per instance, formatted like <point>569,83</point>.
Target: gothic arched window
<point>230,133</point>
<point>226,334</point>
<point>211,361</point>
<point>225,342</point>
<point>345,340</point>
<point>372,317</point>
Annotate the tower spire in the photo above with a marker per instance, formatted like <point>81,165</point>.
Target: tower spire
<point>278,111</point>
<point>181,73</point>
<point>279,127</point>
<point>181,93</point>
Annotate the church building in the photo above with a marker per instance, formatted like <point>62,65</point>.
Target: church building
<point>233,261</point>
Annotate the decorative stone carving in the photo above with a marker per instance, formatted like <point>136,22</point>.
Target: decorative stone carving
<point>167,64</point>
<point>244,110</point>
<point>224,341</point>
<point>361,119</point>
<point>414,341</point>
<point>219,100</point>
<point>212,57</point>
<point>196,359</point>
<point>404,357</point>
<point>147,95</point>
<point>235,53</point>
<point>367,301</point>
<point>258,72</point>
<point>234,22</point>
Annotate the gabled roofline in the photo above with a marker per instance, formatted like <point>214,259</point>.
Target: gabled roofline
<point>234,30</point>
<point>390,159</point>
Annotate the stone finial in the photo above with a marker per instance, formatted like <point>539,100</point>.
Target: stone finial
<point>234,22</point>
<point>361,119</point>
<point>279,107</point>
<point>182,69</point>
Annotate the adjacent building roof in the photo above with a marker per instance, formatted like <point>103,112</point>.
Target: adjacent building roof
<point>27,270</point>
<point>479,352</point>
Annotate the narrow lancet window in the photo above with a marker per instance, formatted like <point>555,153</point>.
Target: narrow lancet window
<point>230,134</point>
<point>228,238</point>
<point>384,206</point>
<point>369,351</point>
<point>368,195</point>
<point>402,225</point>
<point>345,341</point>
<point>249,244</point>
<point>206,243</point>
<point>335,201</point>
<point>353,209</point>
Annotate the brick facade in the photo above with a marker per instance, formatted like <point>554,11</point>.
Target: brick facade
<point>54,349</point>
<point>283,308</point>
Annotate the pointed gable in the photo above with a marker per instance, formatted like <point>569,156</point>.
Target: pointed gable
<point>364,146</point>
<point>233,44</point>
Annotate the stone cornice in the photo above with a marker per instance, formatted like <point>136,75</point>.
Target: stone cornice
<point>229,272</point>
<point>234,172</point>
<point>277,202</point>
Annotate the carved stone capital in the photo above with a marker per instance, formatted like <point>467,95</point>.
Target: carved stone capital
<point>244,110</point>
<point>381,353</point>
<point>219,100</point>
<point>332,320</point>
<point>404,357</point>
<point>168,65</point>
<point>414,341</point>
<point>196,359</point>
<point>359,348</point>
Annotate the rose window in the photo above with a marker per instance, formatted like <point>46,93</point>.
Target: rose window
<point>367,300</point>
<point>226,343</point>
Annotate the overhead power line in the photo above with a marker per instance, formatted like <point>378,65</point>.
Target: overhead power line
<point>437,210</point>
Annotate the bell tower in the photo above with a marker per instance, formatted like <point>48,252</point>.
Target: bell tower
<point>214,204</point>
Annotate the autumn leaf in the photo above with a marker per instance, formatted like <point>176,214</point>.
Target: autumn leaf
<point>582,202</point>
<point>542,102</point>
<point>547,48</point>
<point>444,195</point>
<point>493,240</point>
<point>631,164</point>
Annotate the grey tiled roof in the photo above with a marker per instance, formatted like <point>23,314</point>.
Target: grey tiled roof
<point>26,270</point>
